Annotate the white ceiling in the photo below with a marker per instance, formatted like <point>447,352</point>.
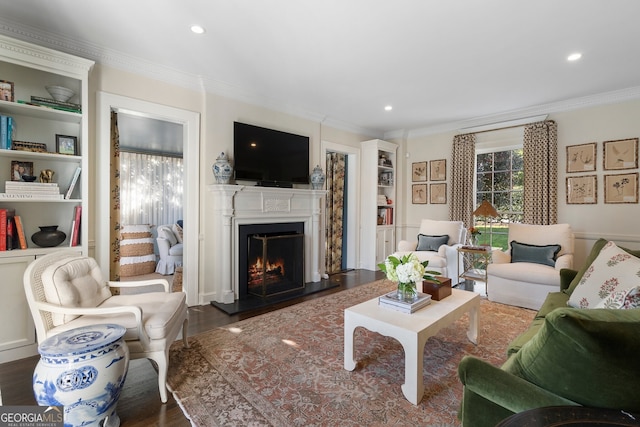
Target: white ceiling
<point>439,63</point>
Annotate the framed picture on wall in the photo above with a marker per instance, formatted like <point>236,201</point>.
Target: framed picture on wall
<point>621,188</point>
<point>438,170</point>
<point>582,190</point>
<point>419,171</point>
<point>419,194</point>
<point>581,158</point>
<point>438,193</point>
<point>620,154</point>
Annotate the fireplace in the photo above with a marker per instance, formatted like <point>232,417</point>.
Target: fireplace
<point>271,259</point>
<point>233,206</point>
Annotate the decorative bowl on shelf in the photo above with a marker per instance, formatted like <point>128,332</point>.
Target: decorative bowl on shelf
<point>60,93</point>
<point>29,178</point>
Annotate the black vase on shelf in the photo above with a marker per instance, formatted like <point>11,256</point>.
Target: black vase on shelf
<point>48,236</point>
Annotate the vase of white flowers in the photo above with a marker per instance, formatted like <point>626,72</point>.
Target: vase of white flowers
<point>406,271</point>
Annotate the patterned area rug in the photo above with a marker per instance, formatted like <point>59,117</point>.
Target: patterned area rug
<point>285,368</point>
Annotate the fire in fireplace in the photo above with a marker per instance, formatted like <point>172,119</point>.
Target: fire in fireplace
<point>271,259</point>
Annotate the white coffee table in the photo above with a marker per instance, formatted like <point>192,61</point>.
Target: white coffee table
<point>411,330</point>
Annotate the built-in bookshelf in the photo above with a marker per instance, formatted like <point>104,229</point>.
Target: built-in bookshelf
<point>378,190</point>
<point>47,144</point>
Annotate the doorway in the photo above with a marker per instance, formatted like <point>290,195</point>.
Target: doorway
<point>190,122</point>
<point>349,206</point>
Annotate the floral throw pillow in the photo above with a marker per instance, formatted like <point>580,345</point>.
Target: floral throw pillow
<point>613,270</point>
<point>624,299</point>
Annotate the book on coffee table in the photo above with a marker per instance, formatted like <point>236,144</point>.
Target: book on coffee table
<point>390,300</point>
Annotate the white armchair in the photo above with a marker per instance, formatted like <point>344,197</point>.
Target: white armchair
<point>530,269</point>
<point>66,291</point>
<point>438,242</point>
<point>170,248</point>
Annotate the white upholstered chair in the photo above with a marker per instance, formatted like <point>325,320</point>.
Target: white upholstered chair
<point>524,274</point>
<point>170,248</point>
<point>65,291</point>
<point>438,242</point>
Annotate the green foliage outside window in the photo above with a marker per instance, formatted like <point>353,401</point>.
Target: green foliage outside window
<point>500,180</point>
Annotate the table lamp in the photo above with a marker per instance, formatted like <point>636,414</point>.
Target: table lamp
<point>486,210</point>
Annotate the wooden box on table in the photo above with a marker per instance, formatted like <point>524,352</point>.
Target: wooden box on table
<point>437,291</point>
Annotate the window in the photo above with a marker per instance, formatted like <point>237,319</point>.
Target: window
<point>500,180</point>
<point>151,188</point>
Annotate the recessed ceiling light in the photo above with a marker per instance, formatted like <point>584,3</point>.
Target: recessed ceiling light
<point>197,29</point>
<point>574,56</point>
<point>388,108</point>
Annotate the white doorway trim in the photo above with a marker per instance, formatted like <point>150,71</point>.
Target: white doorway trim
<point>353,196</point>
<point>190,122</point>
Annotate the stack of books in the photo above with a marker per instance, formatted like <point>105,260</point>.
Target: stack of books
<point>392,302</point>
<point>485,248</point>
<point>58,105</point>
<point>7,128</point>
<point>31,190</point>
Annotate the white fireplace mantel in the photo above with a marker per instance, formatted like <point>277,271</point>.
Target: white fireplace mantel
<point>235,205</point>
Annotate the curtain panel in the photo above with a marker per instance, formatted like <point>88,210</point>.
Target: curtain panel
<point>151,188</point>
<point>463,159</point>
<point>114,217</point>
<point>335,165</point>
<point>540,156</point>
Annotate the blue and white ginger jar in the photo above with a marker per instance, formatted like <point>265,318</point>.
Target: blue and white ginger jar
<point>317,178</point>
<point>222,169</point>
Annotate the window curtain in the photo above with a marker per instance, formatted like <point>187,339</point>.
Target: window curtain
<point>540,156</point>
<point>151,188</point>
<point>463,158</point>
<point>336,166</point>
<point>114,218</point>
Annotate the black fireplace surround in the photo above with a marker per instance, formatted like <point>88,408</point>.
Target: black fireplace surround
<point>277,245</point>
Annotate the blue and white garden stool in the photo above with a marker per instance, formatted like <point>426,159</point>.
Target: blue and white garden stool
<point>83,369</point>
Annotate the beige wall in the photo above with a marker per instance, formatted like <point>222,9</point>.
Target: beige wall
<point>217,117</point>
<point>218,121</point>
<point>594,124</point>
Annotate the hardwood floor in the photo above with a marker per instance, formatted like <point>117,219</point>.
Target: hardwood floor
<point>139,404</point>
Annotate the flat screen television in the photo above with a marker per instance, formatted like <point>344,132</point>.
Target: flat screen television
<point>270,157</point>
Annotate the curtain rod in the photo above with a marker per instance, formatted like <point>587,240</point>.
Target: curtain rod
<point>151,153</point>
<point>504,125</point>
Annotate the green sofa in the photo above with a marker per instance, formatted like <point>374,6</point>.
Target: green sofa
<point>567,356</point>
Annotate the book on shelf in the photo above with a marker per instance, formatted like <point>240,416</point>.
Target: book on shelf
<point>75,231</point>
<point>486,248</point>
<point>7,229</point>
<point>386,213</point>
<point>3,229</point>
<point>73,227</point>
<point>73,183</point>
<point>20,230</point>
<point>12,235</point>
<point>23,184</point>
<point>19,187</point>
<point>50,101</point>
<point>391,301</point>
<point>11,124</point>
<point>26,196</point>
<point>6,123</point>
